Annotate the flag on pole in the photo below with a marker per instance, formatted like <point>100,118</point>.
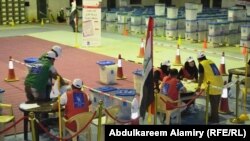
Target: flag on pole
<point>147,89</point>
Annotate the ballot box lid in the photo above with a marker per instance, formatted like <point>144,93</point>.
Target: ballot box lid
<point>105,63</point>
<point>125,92</point>
<point>30,60</point>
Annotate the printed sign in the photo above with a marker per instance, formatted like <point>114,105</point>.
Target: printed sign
<point>91,23</point>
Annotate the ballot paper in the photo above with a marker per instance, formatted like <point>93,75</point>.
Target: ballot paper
<point>25,106</point>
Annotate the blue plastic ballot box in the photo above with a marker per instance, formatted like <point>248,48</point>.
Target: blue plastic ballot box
<point>96,97</point>
<point>107,72</point>
<point>138,77</point>
<point>128,94</point>
<point>29,61</point>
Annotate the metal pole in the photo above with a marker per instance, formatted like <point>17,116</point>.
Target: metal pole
<point>236,119</point>
<point>59,117</point>
<point>244,116</point>
<point>155,117</point>
<point>207,101</point>
<point>32,123</point>
<point>99,130</point>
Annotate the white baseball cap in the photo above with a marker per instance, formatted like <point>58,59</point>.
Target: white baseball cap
<point>78,83</point>
<point>51,54</point>
<point>57,49</point>
<point>167,63</point>
<point>190,59</point>
<point>200,55</point>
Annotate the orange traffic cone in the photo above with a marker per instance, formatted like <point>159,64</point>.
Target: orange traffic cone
<point>11,73</point>
<point>119,69</point>
<point>125,31</point>
<point>204,44</point>
<point>222,65</point>
<point>141,53</point>
<point>224,108</point>
<point>177,57</point>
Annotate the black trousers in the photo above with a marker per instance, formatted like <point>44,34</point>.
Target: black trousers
<point>214,103</point>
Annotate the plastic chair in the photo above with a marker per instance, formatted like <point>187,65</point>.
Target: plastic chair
<point>161,107</point>
<point>243,90</point>
<point>6,118</point>
<point>106,119</point>
<point>81,120</point>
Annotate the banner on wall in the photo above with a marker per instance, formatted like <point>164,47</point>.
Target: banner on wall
<point>91,22</point>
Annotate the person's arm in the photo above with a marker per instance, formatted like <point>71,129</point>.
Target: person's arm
<point>180,74</point>
<point>156,80</point>
<point>181,88</point>
<point>63,101</point>
<point>201,76</point>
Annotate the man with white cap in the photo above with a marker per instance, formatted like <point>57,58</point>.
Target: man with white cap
<point>37,78</point>
<point>58,51</point>
<point>76,101</point>
<point>209,72</point>
<point>160,73</point>
<point>189,71</point>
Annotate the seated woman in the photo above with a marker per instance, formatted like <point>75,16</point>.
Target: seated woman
<point>189,71</point>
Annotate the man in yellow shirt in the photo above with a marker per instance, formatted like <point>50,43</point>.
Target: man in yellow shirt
<point>209,72</point>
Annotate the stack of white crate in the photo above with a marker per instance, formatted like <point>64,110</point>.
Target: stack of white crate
<point>202,29</point>
<point>191,25</point>
<point>214,33</point>
<point>122,22</point>
<point>236,18</point>
<point>245,35</point>
<point>12,11</point>
<point>171,30</point>
<point>111,19</point>
<point>3,12</point>
<point>136,23</point>
<point>160,22</point>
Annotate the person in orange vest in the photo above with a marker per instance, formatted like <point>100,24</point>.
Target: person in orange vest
<point>209,72</point>
<point>160,73</point>
<point>171,87</point>
<point>76,101</point>
<point>189,71</point>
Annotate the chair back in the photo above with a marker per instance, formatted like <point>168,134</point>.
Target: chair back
<point>113,111</point>
<point>81,119</point>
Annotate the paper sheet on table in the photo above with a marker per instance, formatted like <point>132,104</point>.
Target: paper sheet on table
<point>28,106</point>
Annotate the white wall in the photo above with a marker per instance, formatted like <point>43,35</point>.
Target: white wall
<point>228,3</point>
<point>32,10</point>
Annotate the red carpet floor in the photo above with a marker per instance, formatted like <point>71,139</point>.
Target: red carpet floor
<point>74,63</point>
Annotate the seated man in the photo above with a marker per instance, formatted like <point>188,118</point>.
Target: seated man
<point>171,87</point>
<point>75,101</point>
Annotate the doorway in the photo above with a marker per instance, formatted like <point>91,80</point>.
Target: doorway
<point>41,9</point>
<point>111,4</point>
<point>217,3</point>
<point>167,2</point>
<point>205,3</point>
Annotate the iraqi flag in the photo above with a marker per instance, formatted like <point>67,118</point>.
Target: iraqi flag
<point>147,89</point>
